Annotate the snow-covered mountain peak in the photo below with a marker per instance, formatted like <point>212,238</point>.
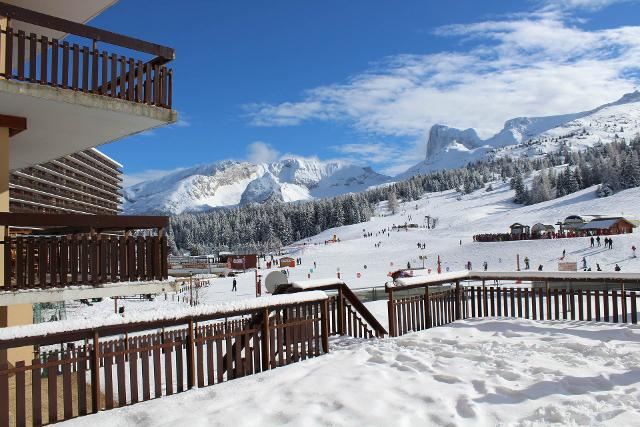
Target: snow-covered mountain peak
<point>451,148</point>
<point>441,136</point>
<point>231,183</point>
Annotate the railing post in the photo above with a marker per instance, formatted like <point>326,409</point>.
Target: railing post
<point>325,325</point>
<point>546,285</point>
<point>191,367</point>
<point>95,374</point>
<point>391,315</point>
<point>457,306</point>
<point>427,307</point>
<point>266,340</point>
<point>341,312</point>
<point>623,301</point>
<point>485,307</point>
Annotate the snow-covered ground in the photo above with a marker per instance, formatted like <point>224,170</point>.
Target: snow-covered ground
<point>469,373</point>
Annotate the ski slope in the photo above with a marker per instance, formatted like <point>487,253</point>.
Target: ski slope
<point>459,218</point>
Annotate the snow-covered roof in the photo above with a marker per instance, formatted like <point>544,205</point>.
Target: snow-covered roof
<point>603,223</point>
<point>316,283</point>
<point>227,307</point>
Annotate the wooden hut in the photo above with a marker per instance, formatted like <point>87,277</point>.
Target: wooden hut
<point>286,261</point>
<point>518,229</point>
<point>612,225</point>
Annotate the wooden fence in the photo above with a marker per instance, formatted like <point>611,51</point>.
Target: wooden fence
<point>58,261</point>
<point>419,312</point>
<point>39,60</point>
<point>121,365</point>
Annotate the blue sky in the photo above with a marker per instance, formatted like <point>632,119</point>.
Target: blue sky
<point>365,80</point>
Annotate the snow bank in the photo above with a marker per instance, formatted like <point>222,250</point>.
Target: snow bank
<point>551,275</point>
<point>39,329</point>
<point>316,283</point>
<point>524,275</point>
<point>424,280</point>
<point>470,373</point>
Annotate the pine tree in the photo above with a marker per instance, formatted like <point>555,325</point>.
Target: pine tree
<point>392,203</point>
<point>521,191</point>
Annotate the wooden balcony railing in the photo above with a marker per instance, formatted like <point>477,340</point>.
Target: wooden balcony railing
<point>74,249</point>
<point>36,59</point>
<point>116,365</point>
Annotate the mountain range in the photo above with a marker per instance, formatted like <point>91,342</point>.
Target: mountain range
<point>232,183</point>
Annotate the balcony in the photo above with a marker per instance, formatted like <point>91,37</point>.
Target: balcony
<point>55,251</point>
<point>78,94</point>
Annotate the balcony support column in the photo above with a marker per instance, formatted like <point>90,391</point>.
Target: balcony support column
<point>20,314</point>
<point>4,21</point>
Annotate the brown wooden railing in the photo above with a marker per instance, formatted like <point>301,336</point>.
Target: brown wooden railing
<point>75,249</point>
<point>100,369</point>
<point>347,314</point>
<point>427,309</point>
<point>42,262</point>
<point>36,59</point>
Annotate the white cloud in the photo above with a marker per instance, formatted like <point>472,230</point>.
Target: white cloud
<point>392,159</point>
<point>536,64</point>
<point>590,5</point>
<point>130,179</point>
<point>261,152</point>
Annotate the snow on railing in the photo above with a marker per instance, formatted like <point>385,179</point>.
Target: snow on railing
<point>227,307</point>
<point>316,283</point>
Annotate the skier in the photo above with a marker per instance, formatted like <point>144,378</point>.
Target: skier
<point>592,241</point>
<point>610,243</point>
<point>633,249</point>
<point>540,267</point>
<point>598,240</point>
<point>564,253</point>
<point>617,268</point>
<point>598,267</point>
<point>235,286</point>
<point>314,264</point>
<point>485,265</point>
<point>526,263</point>
<point>408,265</point>
<point>584,263</point>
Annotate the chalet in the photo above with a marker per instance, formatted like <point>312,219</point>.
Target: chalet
<point>239,261</point>
<point>518,229</point>
<point>575,222</point>
<point>611,225</point>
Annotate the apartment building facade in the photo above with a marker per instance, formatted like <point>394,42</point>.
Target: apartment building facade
<point>68,87</point>
<point>87,182</point>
